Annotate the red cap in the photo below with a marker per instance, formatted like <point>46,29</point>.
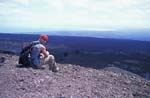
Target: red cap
<point>44,37</point>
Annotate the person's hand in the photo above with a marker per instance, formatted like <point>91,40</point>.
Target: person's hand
<point>42,55</point>
<point>47,52</point>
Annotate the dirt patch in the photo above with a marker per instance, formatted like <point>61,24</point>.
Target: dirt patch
<point>72,81</point>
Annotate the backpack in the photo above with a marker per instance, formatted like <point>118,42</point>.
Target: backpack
<point>24,57</point>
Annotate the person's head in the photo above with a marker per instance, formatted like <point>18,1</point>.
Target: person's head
<point>43,38</point>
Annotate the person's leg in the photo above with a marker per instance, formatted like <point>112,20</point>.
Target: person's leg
<point>50,60</point>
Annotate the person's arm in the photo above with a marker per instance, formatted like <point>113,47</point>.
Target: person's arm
<point>44,52</point>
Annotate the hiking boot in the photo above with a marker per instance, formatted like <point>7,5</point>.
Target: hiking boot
<point>53,67</point>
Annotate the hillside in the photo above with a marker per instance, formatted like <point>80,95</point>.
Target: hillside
<point>130,55</point>
<point>81,43</point>
<point>72,81</point>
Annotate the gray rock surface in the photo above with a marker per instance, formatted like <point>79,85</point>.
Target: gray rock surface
<point>72,81</point>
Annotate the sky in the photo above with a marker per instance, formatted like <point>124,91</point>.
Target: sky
<point>47,15</point>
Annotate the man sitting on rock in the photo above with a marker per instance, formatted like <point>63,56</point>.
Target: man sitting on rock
<point>40,56</point>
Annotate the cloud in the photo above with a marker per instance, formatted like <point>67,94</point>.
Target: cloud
<point>80,13</point>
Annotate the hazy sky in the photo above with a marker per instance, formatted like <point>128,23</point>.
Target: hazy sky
<point>46,15</point>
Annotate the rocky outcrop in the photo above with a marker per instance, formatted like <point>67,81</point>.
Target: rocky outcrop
<point>2,59</point>
<point>72,81</point>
